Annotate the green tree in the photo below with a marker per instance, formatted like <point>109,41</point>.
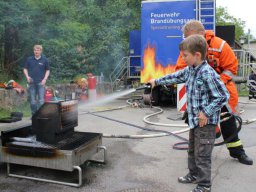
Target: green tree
<point>78,36</point>
<point>224,18</point>
<point>13,21</point>
<point>110,23</point>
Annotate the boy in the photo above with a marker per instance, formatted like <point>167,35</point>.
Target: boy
<point>206,95</point>
<point>223,60</point>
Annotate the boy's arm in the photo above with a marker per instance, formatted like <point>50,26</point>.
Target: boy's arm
<point>174,78</point>
<point>218,95</point>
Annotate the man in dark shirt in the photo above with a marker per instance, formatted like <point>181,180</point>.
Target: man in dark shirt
<point>36,71</point>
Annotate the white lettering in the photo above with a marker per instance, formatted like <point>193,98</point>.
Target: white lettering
<point>172,21</point>
<point>164,15</point>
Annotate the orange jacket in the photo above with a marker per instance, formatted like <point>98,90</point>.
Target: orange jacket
<point>221,58</point>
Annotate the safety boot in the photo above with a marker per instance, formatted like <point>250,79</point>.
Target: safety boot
<point>189,178</point>
<point>201,189</point>
<point>243,158</point>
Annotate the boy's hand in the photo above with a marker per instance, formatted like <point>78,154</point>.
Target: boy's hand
<point>202,119</point>
<point>152,82</point>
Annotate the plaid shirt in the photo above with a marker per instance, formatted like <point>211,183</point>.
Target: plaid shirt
<point>205,92</point>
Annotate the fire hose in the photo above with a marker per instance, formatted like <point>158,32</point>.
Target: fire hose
<point>161,132</point>
<point>248,121</point>
<point>177,145</point>
<point>147,98</point>
<point>180,145</point>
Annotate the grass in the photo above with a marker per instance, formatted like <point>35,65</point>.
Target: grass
<point>4,113</point>
<point>243,90</point>
<point>24,108</point>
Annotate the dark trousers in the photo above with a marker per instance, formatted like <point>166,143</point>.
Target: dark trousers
<point>229,128</point>
<point>201,143</point>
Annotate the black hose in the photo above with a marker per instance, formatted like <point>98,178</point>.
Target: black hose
<point>184,145</point>
<point>240,121</point>
<point>180,145</point>
<point>139,127</point>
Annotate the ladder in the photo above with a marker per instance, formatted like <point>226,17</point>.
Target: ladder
<point>119,74</point>
<point>206,11</point>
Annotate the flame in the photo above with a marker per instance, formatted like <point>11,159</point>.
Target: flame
<point>153,70</point>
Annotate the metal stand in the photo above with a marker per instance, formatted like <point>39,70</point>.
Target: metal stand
<point>60,182</point>
<point>48,180</point>
<point>104,155</point>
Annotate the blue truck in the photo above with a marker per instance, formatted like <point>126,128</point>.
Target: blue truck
<point>154,48</point>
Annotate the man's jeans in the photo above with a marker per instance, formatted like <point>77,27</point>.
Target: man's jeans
<point>201,143</point>
<point>36,95</point>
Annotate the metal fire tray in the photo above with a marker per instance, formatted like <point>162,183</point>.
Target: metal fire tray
<point>67,154</point>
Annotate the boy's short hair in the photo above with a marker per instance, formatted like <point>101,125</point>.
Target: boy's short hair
<point>194,43</point>
<point>38,47</point>
<point>193,25</point>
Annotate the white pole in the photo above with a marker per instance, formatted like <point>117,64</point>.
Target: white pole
<point>249,32</point>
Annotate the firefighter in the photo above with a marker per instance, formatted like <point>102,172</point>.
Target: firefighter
<point>223,60</point>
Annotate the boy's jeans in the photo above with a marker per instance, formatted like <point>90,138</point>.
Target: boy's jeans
<point>36,95</point>
<point>201,143</point>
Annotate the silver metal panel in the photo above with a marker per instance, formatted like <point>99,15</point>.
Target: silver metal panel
<point>82,154</point>
<point>64,159</point>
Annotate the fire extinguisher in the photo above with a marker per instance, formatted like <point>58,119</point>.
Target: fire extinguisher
<point>48,95</point>
<point>92,87</point>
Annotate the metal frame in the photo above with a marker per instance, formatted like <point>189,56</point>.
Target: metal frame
<point>199,16</point>
<point>78,168</point>
<point>129,67</point>
<point>119,72</point>
<point>48,180</point>
<point>104,155</point>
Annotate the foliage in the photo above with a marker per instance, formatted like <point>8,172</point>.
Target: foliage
<point>78,36</point>
<point>224,18</point>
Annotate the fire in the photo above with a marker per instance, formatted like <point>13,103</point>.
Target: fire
<point>153,70</point>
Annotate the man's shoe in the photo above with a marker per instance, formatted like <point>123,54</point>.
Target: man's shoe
<point>201,189</point>
<point>244,159</point>
<point>187,179</point>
